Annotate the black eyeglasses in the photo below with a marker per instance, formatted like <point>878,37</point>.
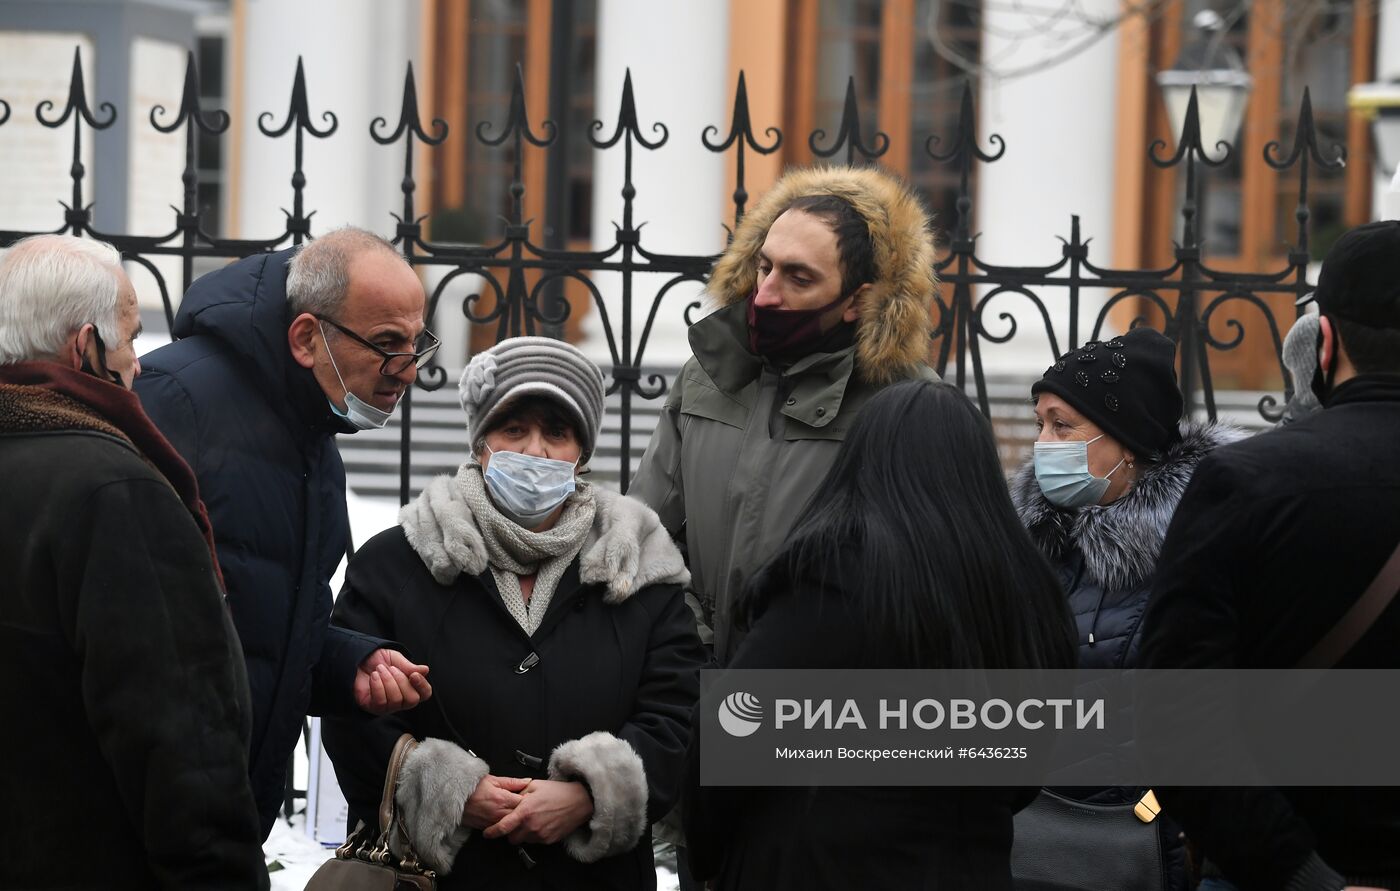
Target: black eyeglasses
<point>394,363</point>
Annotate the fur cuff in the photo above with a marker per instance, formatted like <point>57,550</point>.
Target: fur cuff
<point>435,782</point>
<point>613,772</point>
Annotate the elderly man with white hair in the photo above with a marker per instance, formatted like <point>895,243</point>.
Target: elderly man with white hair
<point>123,763</point>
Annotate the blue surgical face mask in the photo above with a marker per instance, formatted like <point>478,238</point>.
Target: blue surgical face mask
<point>1062,469</point>
<point>360,414</point>
<point>526,488</point>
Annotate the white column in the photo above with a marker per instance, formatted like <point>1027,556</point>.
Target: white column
<point>1387,195</point>
<point>1059,127</point>
<point>354,53</point>
<point>677,53</point>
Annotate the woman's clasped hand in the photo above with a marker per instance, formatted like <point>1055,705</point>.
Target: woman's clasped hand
<point>543,812</point>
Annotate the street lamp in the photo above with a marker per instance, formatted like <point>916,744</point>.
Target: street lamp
<point>1380,103</point>
<point>1217,73</point>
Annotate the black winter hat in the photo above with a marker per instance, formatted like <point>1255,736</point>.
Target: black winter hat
<point>1360,278</point>
<point>1127,386</point>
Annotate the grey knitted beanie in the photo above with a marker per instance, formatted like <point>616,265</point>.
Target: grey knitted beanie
<point>539,366</point>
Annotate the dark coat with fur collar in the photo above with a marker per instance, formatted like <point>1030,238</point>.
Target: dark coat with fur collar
<point>1106,556</point>
<point>123,760</point>
<point>627,666</point>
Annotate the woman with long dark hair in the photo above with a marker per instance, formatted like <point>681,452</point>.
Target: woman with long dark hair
<point>910,555</point>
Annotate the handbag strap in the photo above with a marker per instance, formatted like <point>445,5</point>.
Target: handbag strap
<point>1357,620</point>
<point>402,748</point>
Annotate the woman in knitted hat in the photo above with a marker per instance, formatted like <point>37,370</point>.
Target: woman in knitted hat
<point>1110,464</point>
<point>565,661</point>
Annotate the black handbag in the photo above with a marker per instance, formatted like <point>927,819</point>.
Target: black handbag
<point>364,862</point>
<point>1067,845</point>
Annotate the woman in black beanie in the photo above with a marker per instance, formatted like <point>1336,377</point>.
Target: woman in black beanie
<point>1110,464</point>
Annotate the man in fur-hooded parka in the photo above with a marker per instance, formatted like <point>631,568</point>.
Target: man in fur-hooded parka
<point>800,340</point>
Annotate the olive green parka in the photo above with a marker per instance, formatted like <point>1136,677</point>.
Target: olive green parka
<point>742,443</point>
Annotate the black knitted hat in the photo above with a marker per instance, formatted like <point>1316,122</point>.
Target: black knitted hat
<point>1127,386</point>
<point>1360,277</point>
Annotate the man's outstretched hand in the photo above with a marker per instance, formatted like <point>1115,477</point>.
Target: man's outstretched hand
<point>387,682</point>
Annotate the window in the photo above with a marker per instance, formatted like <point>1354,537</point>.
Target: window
<point>471,186</point>
<point>910,60</point>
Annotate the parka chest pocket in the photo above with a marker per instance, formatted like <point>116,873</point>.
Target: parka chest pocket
<point>700,399</point>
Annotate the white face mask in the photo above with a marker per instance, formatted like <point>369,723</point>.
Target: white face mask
<point>360,414</point>
<point>526,488</point>
<point>1062,469</point>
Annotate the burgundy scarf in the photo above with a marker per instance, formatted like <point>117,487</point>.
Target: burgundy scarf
<point>41,396</point>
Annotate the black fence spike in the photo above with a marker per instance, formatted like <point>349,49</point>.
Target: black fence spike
<point>299,112</point>
<point>741,136</point>
<point>409,121</point>
<point>848,133</point>
<point>517,124</point>
<point>77,102</point>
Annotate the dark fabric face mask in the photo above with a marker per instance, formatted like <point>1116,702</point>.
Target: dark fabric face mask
<point>106,374</point>
<point>1321,383</point>
<point>785,335</point>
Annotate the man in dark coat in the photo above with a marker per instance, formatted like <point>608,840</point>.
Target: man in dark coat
<point>123,763</point>
<point>1276,538</point>
<point>275,355</point>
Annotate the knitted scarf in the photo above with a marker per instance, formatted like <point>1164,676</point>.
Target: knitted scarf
<point>515,551</point>
<point>38,397</point>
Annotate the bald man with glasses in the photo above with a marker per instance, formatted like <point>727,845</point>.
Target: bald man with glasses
<point>275,355</point>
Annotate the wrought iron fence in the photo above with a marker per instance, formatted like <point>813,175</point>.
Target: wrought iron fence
<point>1188,293</point>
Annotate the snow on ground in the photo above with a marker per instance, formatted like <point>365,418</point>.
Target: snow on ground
<point>295,852</point>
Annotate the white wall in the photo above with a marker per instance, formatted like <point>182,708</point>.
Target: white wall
<point>355,53</point>
<point>1386,194</point>
<point>1059,127</point>
<point>34,175</point>
<point>678,56</point>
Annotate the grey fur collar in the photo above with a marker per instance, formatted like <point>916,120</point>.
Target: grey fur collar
<point>626,550</point>
<point>1119,541</point>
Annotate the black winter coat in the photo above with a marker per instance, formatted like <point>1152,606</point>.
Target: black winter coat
<point>1275,539</point>
<point>629,668</point>
<point>260,436</point>
<point>838,837</point>
<point>123,751</point>
<point>1106,558</point>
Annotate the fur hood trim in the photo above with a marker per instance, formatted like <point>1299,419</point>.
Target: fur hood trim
<point>616,779</point>
<point>626,550</point>
<point>892,336</point>
<point>1120,541</point>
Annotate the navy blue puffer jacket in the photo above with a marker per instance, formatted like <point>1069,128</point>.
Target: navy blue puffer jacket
<point>260,435</point>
